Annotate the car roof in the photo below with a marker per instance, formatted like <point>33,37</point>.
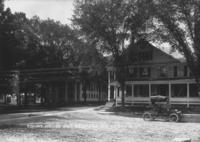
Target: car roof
<point>159,98</point>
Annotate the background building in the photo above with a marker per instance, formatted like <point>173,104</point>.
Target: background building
<point>53,86</point>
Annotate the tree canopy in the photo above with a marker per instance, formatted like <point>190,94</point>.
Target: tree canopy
<point>112,25</point>
<point>35,43</point>
<point>177,22</point>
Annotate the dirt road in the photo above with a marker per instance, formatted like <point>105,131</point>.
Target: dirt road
<point>92,125</point>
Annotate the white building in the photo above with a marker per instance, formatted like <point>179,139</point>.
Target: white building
<point>150,71</point>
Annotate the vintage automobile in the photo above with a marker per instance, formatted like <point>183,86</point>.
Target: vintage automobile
<point>161,109</point>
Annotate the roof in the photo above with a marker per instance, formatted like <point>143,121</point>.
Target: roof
<point>131,52</point>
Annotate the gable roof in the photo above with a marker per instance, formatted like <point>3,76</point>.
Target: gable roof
<point>158,56</point>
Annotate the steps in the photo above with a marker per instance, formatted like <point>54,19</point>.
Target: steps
<point>110,104</point>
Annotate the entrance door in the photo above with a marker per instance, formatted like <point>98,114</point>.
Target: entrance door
<point>111,93</point>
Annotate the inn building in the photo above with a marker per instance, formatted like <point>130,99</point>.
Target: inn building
<point>149,72</point>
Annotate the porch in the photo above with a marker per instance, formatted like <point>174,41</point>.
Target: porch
<point>182,91</point>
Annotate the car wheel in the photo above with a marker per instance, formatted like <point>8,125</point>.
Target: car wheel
<point>173,117</point>
<point>147,116</point>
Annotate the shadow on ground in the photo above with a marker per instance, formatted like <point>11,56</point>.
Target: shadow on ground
<point>8,109</point>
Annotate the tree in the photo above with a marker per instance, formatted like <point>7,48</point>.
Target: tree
<point>49,43</point>
<point>43,43</point>
<point>7,38</point>
<point>91,67</point>
<point>110,23</point>
<point>12,38</point>
<point>177,22</point>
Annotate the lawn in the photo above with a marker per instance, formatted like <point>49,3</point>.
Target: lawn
<point>90,125</point>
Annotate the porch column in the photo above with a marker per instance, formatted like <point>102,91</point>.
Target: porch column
<point>170,91</point>
<point>149,92</point>
<point>188,95</point>
<point>132,94</point>
<point>108,86</point>
<point>115,94</point>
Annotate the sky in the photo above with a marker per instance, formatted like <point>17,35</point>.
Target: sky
<point>59,10</point>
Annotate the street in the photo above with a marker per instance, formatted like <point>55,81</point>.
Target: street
<point>93,124</point>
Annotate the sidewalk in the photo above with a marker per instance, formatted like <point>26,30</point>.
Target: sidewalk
<point>193,118</point>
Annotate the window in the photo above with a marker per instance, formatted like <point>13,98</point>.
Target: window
<point>145,72</point>
<point>128,90</point>
<point>175,71</point>
<point>190,73</point>
<point>179,90</point>
<point>193,90</point>
<point>145,56</point>
<point>185,71</point>
<point>141,90</point>
<point>132,72</point>
<point>88,86</point>
<point>163,71</point>
<point>112,76</point>
<point>1,97</point>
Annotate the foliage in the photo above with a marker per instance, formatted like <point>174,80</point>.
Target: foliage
<point>177,22</point>
<point>35,43</point>
<point>110,24</point>
<point>57,43</point>
<point>7,38</point>
<point>102,22</point>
